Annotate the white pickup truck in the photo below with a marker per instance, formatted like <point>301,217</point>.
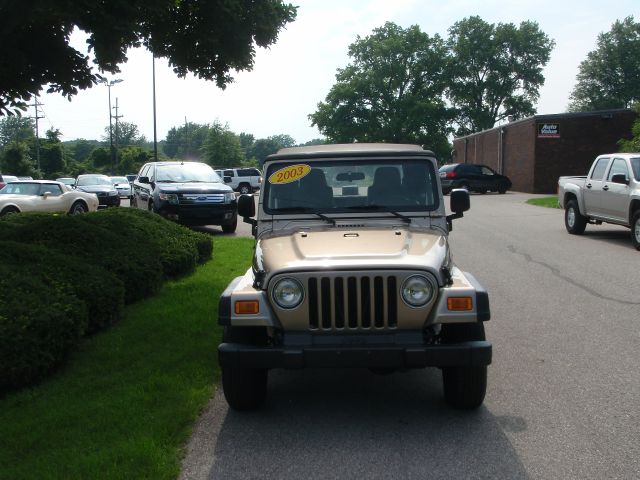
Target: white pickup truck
<point>610,193</point>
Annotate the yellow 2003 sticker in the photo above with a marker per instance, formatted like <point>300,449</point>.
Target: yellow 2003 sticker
<point>289,174</point>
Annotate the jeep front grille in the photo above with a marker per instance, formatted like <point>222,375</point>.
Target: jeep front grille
<point>353,302</point>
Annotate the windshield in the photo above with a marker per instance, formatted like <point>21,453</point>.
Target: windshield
<point>635,165</point>
<point>115,180</point>
<point>186,173</point>
<point>358,185</point>
<point>93,180</point>
<point>21,189</point>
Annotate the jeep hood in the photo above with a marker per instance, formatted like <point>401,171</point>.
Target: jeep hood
<point>371,248</point>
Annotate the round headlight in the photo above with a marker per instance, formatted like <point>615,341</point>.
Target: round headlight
<point>287,293</point>
<point>417,290</point>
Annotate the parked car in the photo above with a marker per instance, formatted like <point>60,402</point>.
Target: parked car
<point>68,181</point>
<point>609,194</point>
<point>44,196</point>
<point>243,180</point>
<point>187,192</point>
<point>122,186</point>
<point>25,178</point>
<point>474,178</point>
<point>100,185</point>
<point>4,179</point>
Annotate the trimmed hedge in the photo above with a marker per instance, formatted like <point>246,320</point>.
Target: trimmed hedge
<point>39,323</point>
<point>101,291</point>
<point>64,276</point>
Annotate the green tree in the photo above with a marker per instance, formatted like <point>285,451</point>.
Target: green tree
<point>16,129</point>
<point>610,75</point>
<point>126,134</point>
<point>16,160</point>
<point>313,141</point>
<point>100,159</point>
<point>632,144</point>
<point>82,149</point>
<point>130,159</point>
<point>495,71</point>
<point>392,91</point>
<point>222,147</point>
<point>209,38</point>
<point>53,160</point>
<point>263,147</point>
<point>185,141</point>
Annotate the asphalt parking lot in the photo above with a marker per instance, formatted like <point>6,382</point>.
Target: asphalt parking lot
<point>564,387</point>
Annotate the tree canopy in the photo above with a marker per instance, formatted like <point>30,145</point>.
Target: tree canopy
<point>390,92</point>
<point>495,71</point>
<point>208,38</point>
<point>222,147</point>
<point>610,75</point>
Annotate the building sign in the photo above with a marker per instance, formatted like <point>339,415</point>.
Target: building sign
<point>548,130</point>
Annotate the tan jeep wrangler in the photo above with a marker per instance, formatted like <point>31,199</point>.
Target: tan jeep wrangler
<point>352,269</point>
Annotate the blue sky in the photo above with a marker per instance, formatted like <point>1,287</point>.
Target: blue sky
<point>296,73</point>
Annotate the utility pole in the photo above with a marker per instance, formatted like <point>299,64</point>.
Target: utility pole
<point>109,84</point>
<point>116,116</point>
<point>186,135</point>
<point>37,104</point>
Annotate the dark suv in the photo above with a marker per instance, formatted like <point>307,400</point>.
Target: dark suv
<point>474,178</point>
<point>187,192</point>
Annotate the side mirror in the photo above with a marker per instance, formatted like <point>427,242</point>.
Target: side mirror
<point>226,179</point>
<point>246,206</point>
<point>459,200</point>
<point>459,203</point>
<point>143,179</point>
<point>46,194</point>
<point>620,178</point>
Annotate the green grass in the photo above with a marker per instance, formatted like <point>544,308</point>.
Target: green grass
<point>124,403</point>
<point>549,202</point>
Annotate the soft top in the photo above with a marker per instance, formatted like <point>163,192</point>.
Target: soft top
<point>349,150</point>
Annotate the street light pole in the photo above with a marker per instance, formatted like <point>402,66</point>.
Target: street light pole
<point>155,131</point>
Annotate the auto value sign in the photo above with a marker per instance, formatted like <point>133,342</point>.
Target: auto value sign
<point>548,130</point>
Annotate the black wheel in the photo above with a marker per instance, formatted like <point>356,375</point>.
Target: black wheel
<point>78,208</point>
<point>9,211</point>
<point>502,190</point>
<point>464,387</point>
<point>635,230</point>
<point>244,188</point>
<point>574,221</point>
<point>231,227</point>
<point>244,388</point>
<point>152,207</point>
<point>134,202</point>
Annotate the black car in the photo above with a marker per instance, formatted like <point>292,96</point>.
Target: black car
<point>187,192</point>
<point>474,178</point>
<point>101,186</point>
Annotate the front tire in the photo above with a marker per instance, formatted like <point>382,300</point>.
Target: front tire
<point>231,227</point>
<point>244,189</point>
<point>574,221</point>
<point>78,208</point>
<point>244,388</point>
<point>635,230</point>
<point>464,387</point>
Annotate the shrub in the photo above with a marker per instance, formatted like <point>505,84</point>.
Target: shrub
<point>135,264</point>
<point>39,323</point>
<point>100,290</point>
<point>178,248</point>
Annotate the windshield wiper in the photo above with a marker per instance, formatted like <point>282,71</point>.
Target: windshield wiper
<point>379,208</point>
<point>307,210</point>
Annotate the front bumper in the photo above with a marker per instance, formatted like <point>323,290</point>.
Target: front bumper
<point>108,201</point>
<point>464,354</point>
<point>200,214</point>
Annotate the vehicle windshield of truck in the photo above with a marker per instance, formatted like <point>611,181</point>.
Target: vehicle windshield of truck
<point>347,186</point>
<point>187,173</point>
<point>635,164</point>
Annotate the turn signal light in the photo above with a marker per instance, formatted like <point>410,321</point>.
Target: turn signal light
<point>460,304</point>
<point>247,307</point>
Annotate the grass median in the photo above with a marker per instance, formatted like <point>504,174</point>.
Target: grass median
<point>549,202</point>
<point>124,403</point>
